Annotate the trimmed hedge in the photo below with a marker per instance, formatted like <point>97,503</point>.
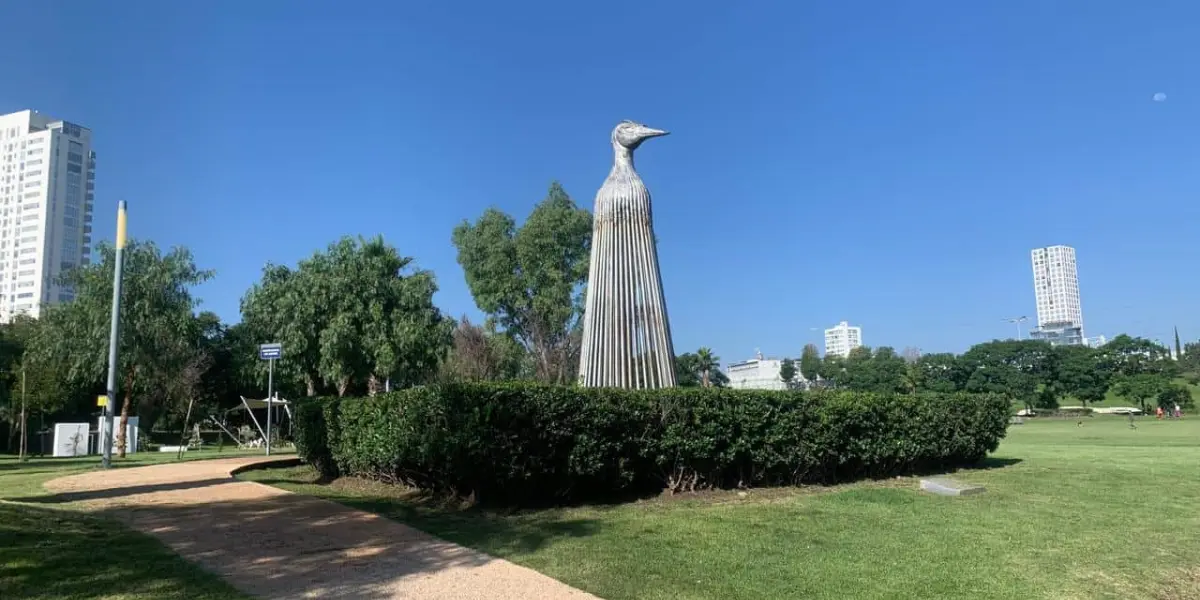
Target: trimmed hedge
<point>519,443</point>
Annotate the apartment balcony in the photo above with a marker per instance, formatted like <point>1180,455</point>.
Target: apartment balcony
<point>87,228</point>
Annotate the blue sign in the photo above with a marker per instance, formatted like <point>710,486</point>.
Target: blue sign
<point>270,351</point>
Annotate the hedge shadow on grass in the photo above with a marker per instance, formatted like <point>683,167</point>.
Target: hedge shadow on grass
<point>49,553</point>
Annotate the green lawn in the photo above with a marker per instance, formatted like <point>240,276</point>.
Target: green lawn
<point>1099,511</point>
<point>59,554</point>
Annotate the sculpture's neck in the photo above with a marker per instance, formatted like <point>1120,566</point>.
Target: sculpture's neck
<point>622,158</point>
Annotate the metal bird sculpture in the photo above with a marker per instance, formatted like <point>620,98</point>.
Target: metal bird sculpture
<point>626,334</point>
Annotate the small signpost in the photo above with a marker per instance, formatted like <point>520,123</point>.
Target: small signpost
<point>270,353</point>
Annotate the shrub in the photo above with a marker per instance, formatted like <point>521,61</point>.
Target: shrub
<point>312,431</point>
<point>513,443</point>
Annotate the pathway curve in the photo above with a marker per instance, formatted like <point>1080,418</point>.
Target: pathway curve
<point>271,543</point>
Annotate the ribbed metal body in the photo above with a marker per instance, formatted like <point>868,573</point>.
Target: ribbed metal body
<point>626,333</point>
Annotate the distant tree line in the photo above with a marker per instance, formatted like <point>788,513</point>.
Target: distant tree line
<point>358,317</point>
<point>1034,373</point>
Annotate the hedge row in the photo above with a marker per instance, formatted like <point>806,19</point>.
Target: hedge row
<point>533,444</point>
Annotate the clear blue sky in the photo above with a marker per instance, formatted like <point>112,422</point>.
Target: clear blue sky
<point>888,165</point>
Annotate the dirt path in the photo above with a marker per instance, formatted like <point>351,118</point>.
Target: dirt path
<point>274,544</point>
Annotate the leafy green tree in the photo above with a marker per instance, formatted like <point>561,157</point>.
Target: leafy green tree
<point>353,317</point>
<point>1189,363</point>
<point>1142,388</point>
<point>30,385</point>
<point>940,373</point>
<point>158,328</point>
<point>832,370</point>
<point>530,280</point>
<point>1125,356</point>
<point>914,377</point>
<point>1176,394</point>
<point>481,354</point>
<point>707,363</point>
<point>810,363</point>
<point>787,371</point>
<point>688,372</point>
<point>880,371</point>
<point>1019,368</point>
<point>1080,374</point>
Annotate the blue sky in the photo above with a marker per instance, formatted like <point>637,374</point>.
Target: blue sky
<point>890,164</point>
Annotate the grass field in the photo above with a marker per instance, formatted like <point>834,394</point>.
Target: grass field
<point>1099,511</point>
<point>60,554</point>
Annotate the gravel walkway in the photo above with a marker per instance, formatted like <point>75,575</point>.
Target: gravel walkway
<point>274,544</point>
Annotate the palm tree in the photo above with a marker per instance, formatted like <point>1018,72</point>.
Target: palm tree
<point>706,363</point>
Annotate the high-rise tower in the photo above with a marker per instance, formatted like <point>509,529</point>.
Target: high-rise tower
<point>47,178</point>
<point>1056,288</point>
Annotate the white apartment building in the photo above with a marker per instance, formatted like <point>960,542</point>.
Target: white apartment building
<point>841,339</point>
<point>47,182</point>
<point>1056,286</point>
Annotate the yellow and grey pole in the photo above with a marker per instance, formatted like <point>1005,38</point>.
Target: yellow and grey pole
<point>113,337</point>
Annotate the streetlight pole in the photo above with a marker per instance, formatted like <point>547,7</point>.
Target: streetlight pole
<point>113,338</point>
<point>24,447</point>
<point>1017,321</point>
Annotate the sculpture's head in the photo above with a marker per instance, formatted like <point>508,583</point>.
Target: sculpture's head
<point>631,135</point>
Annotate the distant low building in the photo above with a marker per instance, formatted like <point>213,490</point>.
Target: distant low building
<point>1095,342</point>
<point>1059,334</point>
<point>759,374</point>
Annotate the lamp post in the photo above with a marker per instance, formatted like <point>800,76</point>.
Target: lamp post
<point>113,337</point>
<point>1017,321</point>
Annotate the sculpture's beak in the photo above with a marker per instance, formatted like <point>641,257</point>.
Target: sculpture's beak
<point>649,132</point>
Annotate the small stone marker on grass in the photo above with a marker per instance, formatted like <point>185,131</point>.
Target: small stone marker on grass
<point>944,486</point>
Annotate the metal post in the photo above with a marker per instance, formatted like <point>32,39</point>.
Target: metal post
<point>113,338</point>
<point>270,393</point>
<point>24,453</point>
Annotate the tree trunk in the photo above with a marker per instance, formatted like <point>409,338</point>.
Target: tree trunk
<point>704,378</point>
<point>342,386</point>
<point>372,385</point>
<point>310,386</point>
<point>124,423</point>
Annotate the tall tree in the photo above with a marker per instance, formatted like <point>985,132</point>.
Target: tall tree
<point>810,362</point>
<point>1015,367</point>
<point>158,327</point>
<point>688,372</point>
<point>1080,375</point>
<point>787,372</point>
<point>707,363</point>
<point>352,317</point>
<point>530,279</point>
<point>1141,388</point>
<point>481,354</point>
<point>1176,394</point>
<point>940,372</point>
<point>881,371</point>
<point>1126,356</point>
